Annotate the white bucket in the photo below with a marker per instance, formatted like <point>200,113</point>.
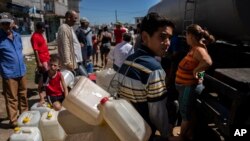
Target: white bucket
<point>72,124</point>
<point>26,134</point>
<point>125,121</point>
<point>50,128</point>
<point>69,78</point>
<point>45,107</point>
<point>83,99</point>
<point>29,119</point>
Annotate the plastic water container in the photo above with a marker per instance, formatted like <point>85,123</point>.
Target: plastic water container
<point>83,99</point>
<point>92,77</point>
<point>26,134</point>
<point>103,132</point>
<point>45,107</point>
<point>50,128</point>
<point>29,119</point>
<point>69,78</point>
<point>125,121</point>
<point>104,77</point>
<point>72,124</point>
<point>86,136</point>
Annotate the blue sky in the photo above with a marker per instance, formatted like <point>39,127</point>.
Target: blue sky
<point>103,11</point>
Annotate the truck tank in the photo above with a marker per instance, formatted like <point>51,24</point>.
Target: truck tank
<point>226,19</point>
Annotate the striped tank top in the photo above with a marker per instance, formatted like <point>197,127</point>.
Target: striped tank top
<point>184,74</point>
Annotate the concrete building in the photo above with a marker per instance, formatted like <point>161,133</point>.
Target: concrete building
<point>53,16</point>
<point>26,13</point>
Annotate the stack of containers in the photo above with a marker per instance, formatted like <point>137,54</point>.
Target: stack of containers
<point>26,134</point>
<point>83,99</point>
<point>125,121</point>
<point>50,128</point>
<point>122,121</point>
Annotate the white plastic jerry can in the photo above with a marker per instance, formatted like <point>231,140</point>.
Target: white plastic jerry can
<point>83,99</point>
<point>29,118</point>
<point>85,136</point>
<point>104,77</point>
<point>42,108</point>
<point>26,134</point>
<point>125,121</point>
<point>103,132</point>
<point>72,124</point>
<point>50,128</point>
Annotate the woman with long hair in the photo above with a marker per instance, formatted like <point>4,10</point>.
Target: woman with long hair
<point>189,76</point>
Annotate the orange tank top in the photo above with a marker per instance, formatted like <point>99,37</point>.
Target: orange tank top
<point>184,74</point>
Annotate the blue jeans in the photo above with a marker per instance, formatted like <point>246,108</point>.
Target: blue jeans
<point>187,99</point>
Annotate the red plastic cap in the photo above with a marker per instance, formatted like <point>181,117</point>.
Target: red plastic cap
<point>104,100</point>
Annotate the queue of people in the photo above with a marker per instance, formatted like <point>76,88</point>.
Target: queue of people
<point>141,76</point>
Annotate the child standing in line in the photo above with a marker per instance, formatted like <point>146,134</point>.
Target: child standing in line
<point>54,85</point>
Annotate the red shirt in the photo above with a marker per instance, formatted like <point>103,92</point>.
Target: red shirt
<point>54,87</point>
<point>39,44</point>
<point>118,34</point>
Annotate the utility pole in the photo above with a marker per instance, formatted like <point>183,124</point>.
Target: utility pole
<point>41,10</point>
<point>116,16</point>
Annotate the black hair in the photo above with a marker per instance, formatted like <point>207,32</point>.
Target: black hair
<point>153,21</point>
<point>40,25</point>
<point>105,28</point>
<point>127,37</point>
<point>69,13</point>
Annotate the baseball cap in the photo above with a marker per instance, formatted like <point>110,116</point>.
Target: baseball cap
<point>6,17</point>
<point>84,19</point>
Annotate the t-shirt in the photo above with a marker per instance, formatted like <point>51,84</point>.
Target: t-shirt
<point>39,44</point>
<point>121,52</point>
<point>118,34</point>
<point>141,78</point>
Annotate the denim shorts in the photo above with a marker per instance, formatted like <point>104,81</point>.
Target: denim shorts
<point>187,99</point>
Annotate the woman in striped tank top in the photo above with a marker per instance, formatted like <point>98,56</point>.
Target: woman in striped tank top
<point>187,81</point>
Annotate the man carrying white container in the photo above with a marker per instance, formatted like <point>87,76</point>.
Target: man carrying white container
<point>141,77</point>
